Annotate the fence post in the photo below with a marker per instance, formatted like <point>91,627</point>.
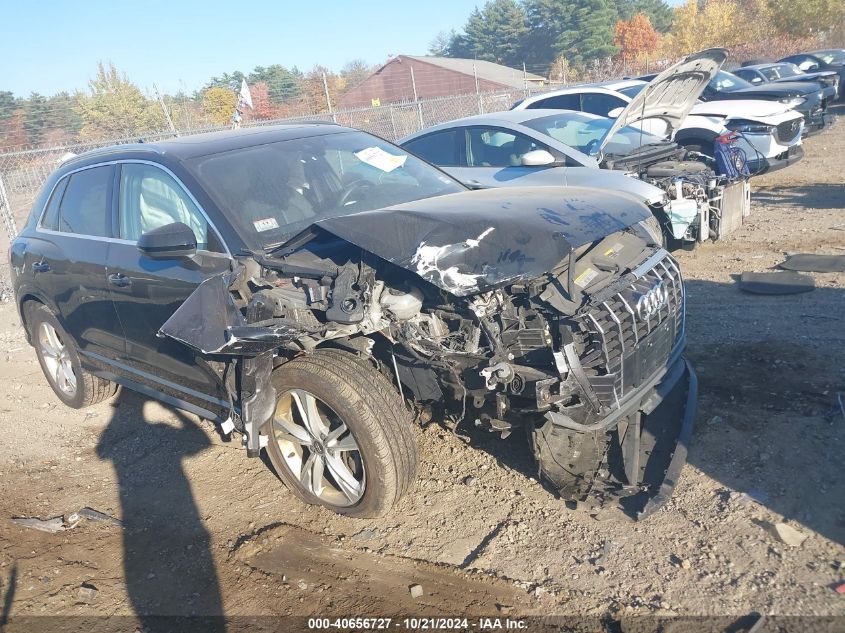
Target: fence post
<point>477,91</point>
<point>393,123</point>
<point>328,99</point>
<point>6,212</point>
<point>524,80</point>
<point>416,98</point>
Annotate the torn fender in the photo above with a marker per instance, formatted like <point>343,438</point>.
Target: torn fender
<point>210,322</point>
<point>470,242</point>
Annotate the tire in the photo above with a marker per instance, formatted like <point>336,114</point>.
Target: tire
<point>347,392</point>
<point>568,459</point>
<point>74,386</point>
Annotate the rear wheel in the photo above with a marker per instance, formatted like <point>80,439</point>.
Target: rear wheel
<point>341,436</point>
<point>59,360</point>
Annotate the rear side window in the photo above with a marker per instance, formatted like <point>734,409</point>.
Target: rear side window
<point>600,103</point>
<point>559,102</point>
<point>85,208</point>
<point>440,148</point>
<point>51,214</point>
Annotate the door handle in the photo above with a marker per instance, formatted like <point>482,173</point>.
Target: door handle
<point>119,280</point>
<point>41,267</point>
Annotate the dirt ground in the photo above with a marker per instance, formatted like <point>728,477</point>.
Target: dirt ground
<point>208,531</point>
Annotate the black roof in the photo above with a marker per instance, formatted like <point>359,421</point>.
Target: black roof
<point>195,145</point>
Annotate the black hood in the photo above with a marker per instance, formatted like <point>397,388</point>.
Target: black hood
<point>776,90</point>
<point>469,242</point>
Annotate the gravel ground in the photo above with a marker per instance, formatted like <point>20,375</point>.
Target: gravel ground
<point>207,531</point>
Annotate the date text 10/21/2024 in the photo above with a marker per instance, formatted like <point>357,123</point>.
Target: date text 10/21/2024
<point>418,623</point>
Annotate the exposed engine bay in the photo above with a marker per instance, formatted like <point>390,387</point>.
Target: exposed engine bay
<point>701,204</point>
<point>577,353</point>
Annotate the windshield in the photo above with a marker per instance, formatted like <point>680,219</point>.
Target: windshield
<point>584,132</point>
<point>632,91</point>
<point>726,82</point>
<point>784,70</point>
<point>832,57</point>
<point>272,192</point>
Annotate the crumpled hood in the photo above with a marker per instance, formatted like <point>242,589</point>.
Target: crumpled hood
<point>671,94</point>
<point>469,242</point>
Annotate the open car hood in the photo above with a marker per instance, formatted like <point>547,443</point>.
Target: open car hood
<point>470,242</point>
<point>670,95</point>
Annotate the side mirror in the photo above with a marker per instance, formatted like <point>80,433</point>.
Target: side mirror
<point>756,80</point>
<point>168,242</point>
<point>537,158</point>
<point>615,112</point>
<point>807,65</point>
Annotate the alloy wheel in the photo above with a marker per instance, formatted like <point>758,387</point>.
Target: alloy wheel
<point>56,359</point>
<point>318,448</point>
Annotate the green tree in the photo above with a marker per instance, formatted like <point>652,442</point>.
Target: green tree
<point>657,11</point>
<point>496,33</point>
<point>8,104</point>
<point>281,83</point>
<point>580,30</point>
<point>36,116</point>
<point>232,81</point>
<point>440,46</point>
<point>117,108</point>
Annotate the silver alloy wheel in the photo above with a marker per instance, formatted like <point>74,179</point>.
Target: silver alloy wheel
<point>318,448</point>
<point>56,359</point>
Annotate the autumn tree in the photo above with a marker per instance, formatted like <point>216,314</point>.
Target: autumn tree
<point>314,89</point>
<point>704,24</point>
<point>800,18</point>
<point>354,72</point>
<point>635,37</point>
<point>262,104</point>
<point>281,83</point>
<point>117,108</point>
<point>218,104</point>
<point>657,11</point>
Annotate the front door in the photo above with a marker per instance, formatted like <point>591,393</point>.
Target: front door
<point>146,291</point>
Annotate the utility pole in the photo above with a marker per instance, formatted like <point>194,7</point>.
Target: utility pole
<point>328,99</point>
<point>524,79</point>
<point>416,98</point>
<point>166,112</point>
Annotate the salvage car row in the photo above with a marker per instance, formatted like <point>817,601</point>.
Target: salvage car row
<point>318,290</point>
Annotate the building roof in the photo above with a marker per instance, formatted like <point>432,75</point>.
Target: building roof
<point>483,69</point>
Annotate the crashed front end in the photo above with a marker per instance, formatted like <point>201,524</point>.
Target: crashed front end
<point>555,313</point>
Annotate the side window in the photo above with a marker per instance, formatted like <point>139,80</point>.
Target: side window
<point>50,219</point>
<point>600,104</point>
<point>559,102</point>
<point>150,198</point>
<point>439,148</point>
<point>493,147</point>
<point>85,207</point>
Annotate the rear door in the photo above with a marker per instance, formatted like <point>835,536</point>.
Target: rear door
<point>146,291</point>
<point>68,258</point>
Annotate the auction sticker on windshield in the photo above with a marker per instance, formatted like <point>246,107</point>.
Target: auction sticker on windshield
<point>378,158</point>
<point>266,224</point>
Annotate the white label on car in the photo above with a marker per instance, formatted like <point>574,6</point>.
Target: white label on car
<point>378,158</point>
<point>266,224</point>
<point>583,280</point>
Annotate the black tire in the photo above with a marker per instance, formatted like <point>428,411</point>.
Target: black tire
<point>567,459</point>
<point>89,389</point>
<point>375,415</point>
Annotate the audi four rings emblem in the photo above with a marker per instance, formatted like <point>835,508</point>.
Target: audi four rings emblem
<point>649,304</point>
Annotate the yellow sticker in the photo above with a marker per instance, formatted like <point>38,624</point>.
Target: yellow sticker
<point>614,250</point>
<point>584,279</point>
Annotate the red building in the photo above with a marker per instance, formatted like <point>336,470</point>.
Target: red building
<point>433,77</point>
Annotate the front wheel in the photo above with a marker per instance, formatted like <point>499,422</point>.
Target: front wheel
<point>341,436</point>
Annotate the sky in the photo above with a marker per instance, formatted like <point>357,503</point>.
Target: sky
<point>55,45</point>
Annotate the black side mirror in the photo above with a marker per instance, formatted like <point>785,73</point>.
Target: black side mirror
<point>168,241</point>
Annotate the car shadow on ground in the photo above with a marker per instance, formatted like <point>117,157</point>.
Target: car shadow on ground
<point>168,564</point>
<point>818,196</point>
<point>768,429</point>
